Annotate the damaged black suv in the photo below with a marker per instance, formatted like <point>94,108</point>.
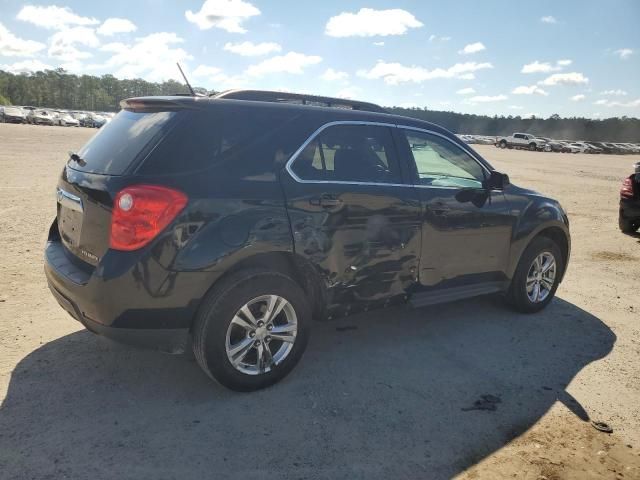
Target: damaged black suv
<point>227,223</point>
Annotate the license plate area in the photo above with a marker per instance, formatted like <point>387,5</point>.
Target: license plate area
<point>70,216</point>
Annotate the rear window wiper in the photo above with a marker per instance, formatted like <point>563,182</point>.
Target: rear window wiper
<point>74,156</point>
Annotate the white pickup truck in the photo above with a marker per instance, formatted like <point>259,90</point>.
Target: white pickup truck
<point>521,140</point>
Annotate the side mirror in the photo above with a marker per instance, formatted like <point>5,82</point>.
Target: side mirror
<point>496,181</point>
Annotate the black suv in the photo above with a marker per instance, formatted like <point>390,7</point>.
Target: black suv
<point>629,216</point>
<point>229,222</point>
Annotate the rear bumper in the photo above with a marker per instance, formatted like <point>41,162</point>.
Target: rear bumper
<point>128,298</point>
<point>168,340</point>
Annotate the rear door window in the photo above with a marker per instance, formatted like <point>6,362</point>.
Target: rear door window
<point>350,153</point>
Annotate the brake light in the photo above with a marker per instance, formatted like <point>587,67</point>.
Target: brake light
<point>626,190</point>
<point>141,212</point>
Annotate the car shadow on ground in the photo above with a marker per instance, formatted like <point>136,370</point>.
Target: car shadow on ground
<point>398,393</point>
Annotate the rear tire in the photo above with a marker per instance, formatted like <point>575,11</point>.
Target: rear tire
<point>503,144</point>
<point>523,284</point>
<point>222,328</point>
<point>626,225</point>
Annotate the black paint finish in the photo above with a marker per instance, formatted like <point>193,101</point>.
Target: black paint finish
<point>350,245</point>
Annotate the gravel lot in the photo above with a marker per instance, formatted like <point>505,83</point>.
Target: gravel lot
<point>392,397</point>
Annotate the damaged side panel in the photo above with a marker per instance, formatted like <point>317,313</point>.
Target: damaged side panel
<point>364,240</point>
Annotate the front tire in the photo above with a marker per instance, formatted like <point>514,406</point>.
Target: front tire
<point>532,147</point>
<point>252,329</point>
<point>537,276</point>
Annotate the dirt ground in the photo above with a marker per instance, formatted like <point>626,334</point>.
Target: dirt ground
<point>469,390</point>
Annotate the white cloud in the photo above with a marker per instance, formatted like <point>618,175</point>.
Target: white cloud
<point>396,73</point>
<point>529,90</point>
<point>472,48</point>
<point>332,75</point>
<point>215,78</point>
<point>26,66</point>
<point>434,38</point>
<point>516,107</point>
<point>618,93</point>
<point>573,78</point>
<point>111,26</point>
<point>292,62</point>
<point>466,91</point>
<point>624,53</point>
<point>250,49</point>
<point>369,23</point>
<point>53,17</point>
<point>62,44</point>
<point>487,98</point>
<point>12,46</point>
<point>152,57</point>
<point>537,67</point>
<point>612,103</point>
<point>205,71</point>
<point>379,44</point>
<point>577,98</point>
<point>348,92</point>
<point>544,67</point>
<point>225,14</point>
<point>548,19</point>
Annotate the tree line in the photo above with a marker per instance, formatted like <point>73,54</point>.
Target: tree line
<point>60,89</point>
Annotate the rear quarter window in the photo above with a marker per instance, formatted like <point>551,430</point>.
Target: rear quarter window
<point>236,138</point>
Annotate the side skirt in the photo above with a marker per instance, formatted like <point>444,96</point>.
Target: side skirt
<point>422,299</point>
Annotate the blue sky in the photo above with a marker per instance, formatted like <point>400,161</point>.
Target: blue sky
<point>494,57</point>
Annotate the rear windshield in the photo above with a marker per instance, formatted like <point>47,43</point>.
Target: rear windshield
<point>127,138</point>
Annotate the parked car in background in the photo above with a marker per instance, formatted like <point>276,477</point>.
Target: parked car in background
<point>11,114</point>
<point>94,120</point>
<point>569,148</point>
<point>604,147</point>
<point>629,215</point>
<point>229,222</point>
<point>554,145</point>
<point>521,140</point>
<point>580,147</point>
<point>40,117</point>
<point>65,120</point>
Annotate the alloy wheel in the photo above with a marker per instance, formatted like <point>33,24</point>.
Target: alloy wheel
<point>541,277</point>
<point>261,334</point>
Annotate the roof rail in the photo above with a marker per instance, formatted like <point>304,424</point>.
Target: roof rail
<point>300,99</point>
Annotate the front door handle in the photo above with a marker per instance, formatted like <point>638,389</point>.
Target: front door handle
<point>439,209</point>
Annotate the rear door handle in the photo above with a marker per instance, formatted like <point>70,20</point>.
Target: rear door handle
<point>325,201</point>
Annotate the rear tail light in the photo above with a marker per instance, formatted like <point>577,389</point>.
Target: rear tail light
<point>141,212</point>
<point>626,191</point>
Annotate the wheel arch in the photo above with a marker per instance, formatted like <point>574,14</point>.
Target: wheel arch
<point>299,269</point>
<point>556,232</point>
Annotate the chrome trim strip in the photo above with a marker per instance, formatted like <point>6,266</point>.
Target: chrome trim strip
<point>69,200</point>
<point>313,136</point>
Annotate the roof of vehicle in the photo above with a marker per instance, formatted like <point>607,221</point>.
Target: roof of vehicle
<point>310,108</point>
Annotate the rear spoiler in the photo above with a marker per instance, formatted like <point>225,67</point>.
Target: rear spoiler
<point>155,104</point>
